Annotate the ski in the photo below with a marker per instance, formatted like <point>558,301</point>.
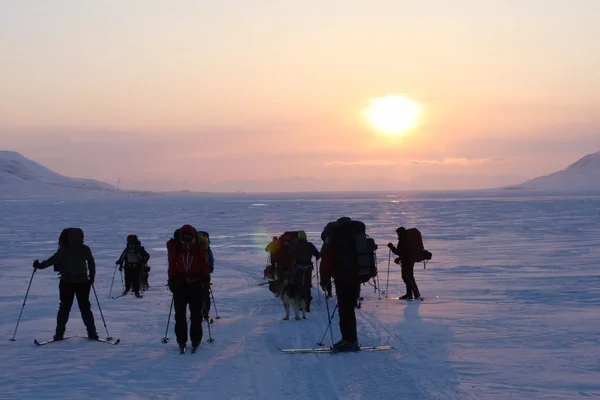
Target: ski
<point>107,340</point>
<point>332,351</point>
<point>49,341</point>
<point>119,296</point>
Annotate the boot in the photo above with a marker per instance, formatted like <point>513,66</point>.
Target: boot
<point>344,345</point>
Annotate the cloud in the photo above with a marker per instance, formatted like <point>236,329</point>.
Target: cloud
<point>377,163</point>
<point>456,161</point>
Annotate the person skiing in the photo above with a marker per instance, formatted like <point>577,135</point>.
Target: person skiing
<point>338,237</point>
<point>75,260</point>
<point>407,264</point>
<point>135,258</point>
<point>204,241</point>
<point>302,252</point>
<point>187,276</point>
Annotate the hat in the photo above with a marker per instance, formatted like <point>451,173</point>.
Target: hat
<point>301,235</point>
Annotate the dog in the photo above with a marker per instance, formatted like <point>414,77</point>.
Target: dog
<point>291,296</point>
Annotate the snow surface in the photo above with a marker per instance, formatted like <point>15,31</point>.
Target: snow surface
<point>21,177</point>
<point>582,175</point>
<point>512,309</point>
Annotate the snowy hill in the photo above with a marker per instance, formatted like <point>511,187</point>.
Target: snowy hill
<point>584,174</point>
<point>21,177</point>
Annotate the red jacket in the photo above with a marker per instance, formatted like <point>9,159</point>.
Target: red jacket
<point>187,259</point>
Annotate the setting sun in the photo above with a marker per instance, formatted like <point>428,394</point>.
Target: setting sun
<point>392,115</point>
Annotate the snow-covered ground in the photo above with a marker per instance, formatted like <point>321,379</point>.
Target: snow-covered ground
<point>512,306</point>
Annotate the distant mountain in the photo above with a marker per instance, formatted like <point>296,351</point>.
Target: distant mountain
<point>584,174</point>
<point>21,177</point>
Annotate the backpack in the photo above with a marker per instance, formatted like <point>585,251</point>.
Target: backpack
<point>75,235</point>
<point>208,250</point>
<point>280,257</point>
<point>354,250</point>
<point>414,246</point>
<point>194,264</point>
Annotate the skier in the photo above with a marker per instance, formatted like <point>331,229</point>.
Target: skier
<point>302,252</point>
<point>135,258</point>
<point>407,264</point>
<point>74,261</point>
<point>188,271</point>
<point>337,236</point>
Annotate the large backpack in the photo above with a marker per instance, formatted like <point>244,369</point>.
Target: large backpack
<point>193,249</point>
<point>75,235</point>
<point>414,246</point>
<point>354,250</point>
<point>284,263</point>
<point>208,250</point>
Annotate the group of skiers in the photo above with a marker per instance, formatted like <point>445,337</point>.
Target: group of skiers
<point>347,258</point>
<point>76,267</point>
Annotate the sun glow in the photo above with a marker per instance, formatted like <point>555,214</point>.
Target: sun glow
<point>392,115</point>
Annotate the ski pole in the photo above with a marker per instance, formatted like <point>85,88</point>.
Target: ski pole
<point>166,339</point>
<point>330,317</point>
<point>210,338</point>
<point>318,286</point>
<point>387,284</point>
<point>23,306</point>
<point>214,304</point>
<point>122,282</point>
<point>377,281</point>
<point>101,314</point>
<point>112,282</point>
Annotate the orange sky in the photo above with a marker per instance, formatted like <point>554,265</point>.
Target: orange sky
<point>255,91</point>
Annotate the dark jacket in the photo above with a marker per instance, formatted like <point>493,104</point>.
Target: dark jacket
<point>401,250</point>
<point>303,251</point>
<point>133,255</point>
<point>74,260</point>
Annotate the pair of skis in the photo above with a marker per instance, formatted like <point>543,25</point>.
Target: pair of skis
<point>330,350</point>
<point>107,340</point>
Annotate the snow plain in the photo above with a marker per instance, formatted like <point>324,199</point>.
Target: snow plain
<point>512,307</point>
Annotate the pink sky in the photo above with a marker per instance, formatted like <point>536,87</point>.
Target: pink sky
<point>191,97</point>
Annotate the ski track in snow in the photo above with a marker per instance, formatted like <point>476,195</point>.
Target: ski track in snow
<point>511,310</point>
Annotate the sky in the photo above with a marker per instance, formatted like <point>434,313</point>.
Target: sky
<point>268,95</point>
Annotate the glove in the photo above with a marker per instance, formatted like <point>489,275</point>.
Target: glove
<point>390,245</point>
<point>36,264</point>
<point>397,260</point>
<point>172,286</point>
<point>326,286</point>
<point>117,262</point>
<point>92,279</point>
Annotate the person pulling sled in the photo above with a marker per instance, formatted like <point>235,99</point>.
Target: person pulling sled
<point>77,268</point>
<point>133,259</point>
<point>188,274</point>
